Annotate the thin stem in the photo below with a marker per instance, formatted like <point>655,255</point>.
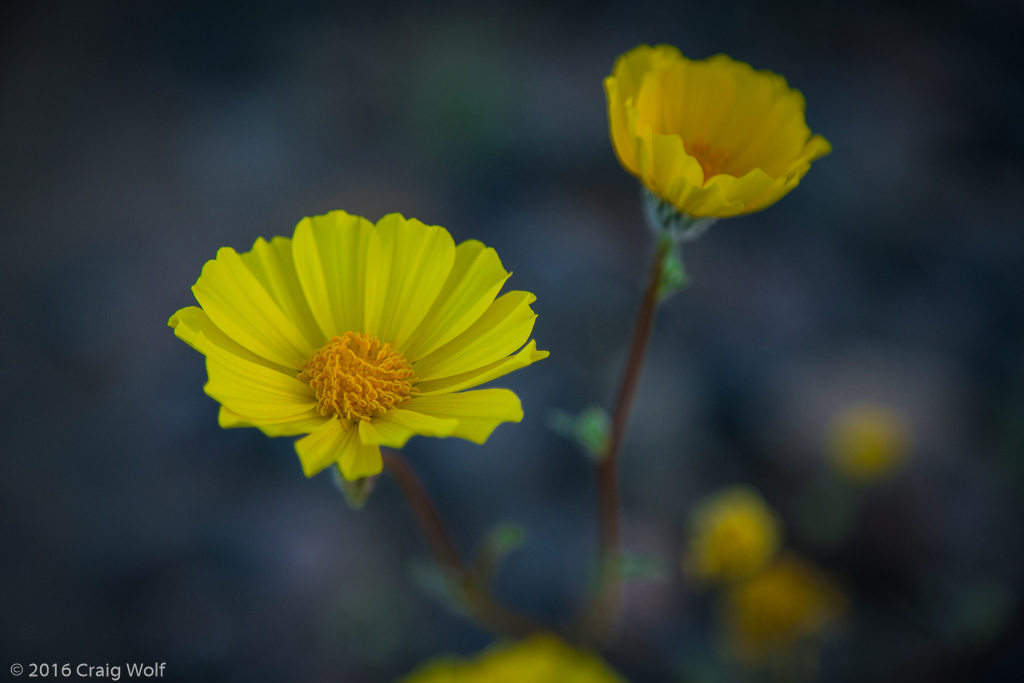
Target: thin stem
<point>607,598</point>
<point>479,602</point>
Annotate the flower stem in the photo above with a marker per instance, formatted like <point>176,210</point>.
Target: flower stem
<point>605,614</point>
<point>478,600</point>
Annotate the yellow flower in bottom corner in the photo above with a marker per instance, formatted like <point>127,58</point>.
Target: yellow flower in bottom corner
<point>538,659</point>
<point>713,137</point>
<point>789,602</point>
<point>734,533</point>
<point>359,336</point>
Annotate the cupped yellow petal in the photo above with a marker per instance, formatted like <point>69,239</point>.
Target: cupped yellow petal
<point>478,412</point>
<point>273,265</point>
<point>331,254</point>
<point>466,380</point>
<point>338,442</point>
<point>412,267</point>
<point>475,279</point>
<point>238,304</point>
<point>397,426</point>
<point>503,328</point>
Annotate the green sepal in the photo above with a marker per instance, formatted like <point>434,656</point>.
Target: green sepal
<point>357,491</point>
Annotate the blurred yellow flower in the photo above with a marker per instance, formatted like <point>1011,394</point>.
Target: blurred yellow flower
<point>712,138</point>
<point>538,659</point>
<point>868,441</point>
<point>733,534</point>
<point>789,602</point>
<point>359,336</point>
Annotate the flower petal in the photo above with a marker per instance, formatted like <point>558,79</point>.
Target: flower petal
<point>193,326</point>
<point>413,264</point>
<point>503,328</point>
<point>475,279</point>
<point>254,391</point>
<point>273,265</point>
<point>334,443</point>
<point>331,253</point>
<point>529,354</point>
<point>478,412</point>
<point>303,423</point>
<point>397,426</point>
<point>238,304</point>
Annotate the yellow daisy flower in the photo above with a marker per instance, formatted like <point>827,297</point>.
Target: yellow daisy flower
<point>712,138</point>
<point>359,336</point>
<point>538,659</point>
<point>734,534</point>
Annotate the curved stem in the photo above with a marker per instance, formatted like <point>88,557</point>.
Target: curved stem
<point>479,602</point>
<point>607,599</point>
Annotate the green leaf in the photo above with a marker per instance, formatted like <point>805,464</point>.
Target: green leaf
<point>673,275</point>
<point>590,430</point>
<point>644,567</point>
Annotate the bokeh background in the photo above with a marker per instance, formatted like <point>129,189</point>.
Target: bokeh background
<point>137,138</point>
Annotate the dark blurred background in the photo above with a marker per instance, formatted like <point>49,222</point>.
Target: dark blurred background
<point>137,138</point>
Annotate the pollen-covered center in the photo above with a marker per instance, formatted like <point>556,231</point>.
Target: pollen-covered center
<point>356,377</point>
<point>712,159</point>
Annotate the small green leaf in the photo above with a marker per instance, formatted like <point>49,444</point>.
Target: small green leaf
<point>673,275</point>
<point>644,567</point>
<point>502,540</point>
<point>590,430</point>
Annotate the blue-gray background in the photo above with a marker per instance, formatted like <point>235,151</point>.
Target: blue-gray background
<point>137,138</point>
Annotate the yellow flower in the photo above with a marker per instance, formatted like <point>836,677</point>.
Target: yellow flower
<point>734,534</point>
<point>538,659</point>
<point>868,441</point>
<point>711,137</point>
<point>359,336</point>
<point>785,604</point>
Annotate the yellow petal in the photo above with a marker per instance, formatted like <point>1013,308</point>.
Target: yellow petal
<point>193,326</point>
<point>331,253</point>
<point>478,412</point>
<point>503,328</point>
<point>273,265</point>
<point>333,443</point>
<point>303,423</point>
<point>414,263</point>
<point>466,380</point>
<point>475,279</point>
<point>252,390</point>
<point>397,426</point>
<point>239,305</point>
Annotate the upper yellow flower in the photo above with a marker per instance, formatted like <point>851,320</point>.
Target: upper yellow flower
<point>868,441</point>
<point>712,137</point>
<point>539,659</point>
<point>734,534</point>
<point>360,336</point>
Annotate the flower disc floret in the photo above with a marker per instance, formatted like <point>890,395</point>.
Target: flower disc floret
<point>356,377</point>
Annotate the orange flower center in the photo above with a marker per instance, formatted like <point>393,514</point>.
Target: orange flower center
<point>356,377</point>
<point>712,159</point>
